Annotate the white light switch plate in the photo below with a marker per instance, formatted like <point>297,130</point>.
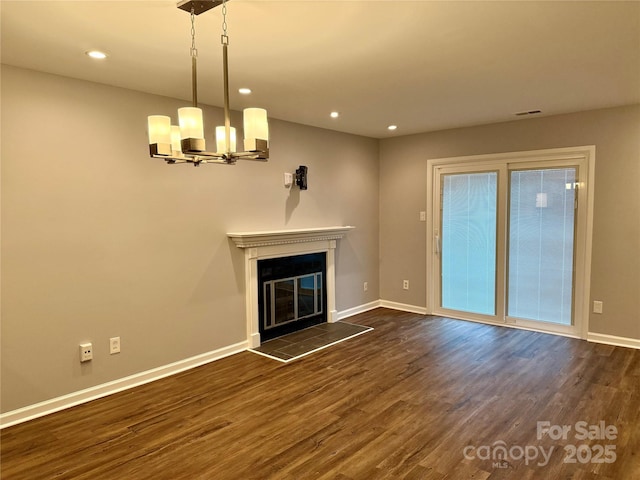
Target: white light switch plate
<point>288,179</point>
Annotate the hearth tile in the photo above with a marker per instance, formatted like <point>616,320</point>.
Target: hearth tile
<point>298,344</point>
<point>296,349</point>
<point>316,342</point>
<point>301,335</point>
<point>273,345</point>
<point>280,355</point>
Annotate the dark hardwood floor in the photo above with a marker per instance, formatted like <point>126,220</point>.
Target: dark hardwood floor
<point>405,401</point>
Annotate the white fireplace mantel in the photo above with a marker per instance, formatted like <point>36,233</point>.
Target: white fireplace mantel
<point>279,237</point>
<point>283,243</point>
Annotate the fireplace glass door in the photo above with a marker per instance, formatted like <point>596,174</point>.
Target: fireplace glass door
<point>292,299</point>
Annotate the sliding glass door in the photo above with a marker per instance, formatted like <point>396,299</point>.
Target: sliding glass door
<point>541,244</point>
<point>468,225</point>
<point>504,243</point>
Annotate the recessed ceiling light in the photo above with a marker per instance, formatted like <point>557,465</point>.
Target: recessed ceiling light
<point>392,127</point>
<point>244,91</point>
<point>335,114</point>
<point>96,54</point>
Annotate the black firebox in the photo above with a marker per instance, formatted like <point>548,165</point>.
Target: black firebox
<point>292,293</point>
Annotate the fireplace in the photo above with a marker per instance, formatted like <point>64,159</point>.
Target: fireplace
<point>265,245</point>
<point>291,294</point>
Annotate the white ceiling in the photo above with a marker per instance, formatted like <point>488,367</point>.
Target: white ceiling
<point>423,65</point>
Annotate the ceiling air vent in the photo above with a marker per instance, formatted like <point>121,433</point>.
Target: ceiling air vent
<point>527,112</point>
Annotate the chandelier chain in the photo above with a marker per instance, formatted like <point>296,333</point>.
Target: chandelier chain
<point>194,50</point>
<point>225,37</point>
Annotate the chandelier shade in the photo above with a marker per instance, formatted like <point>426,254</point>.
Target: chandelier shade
<point>256,127</point>
<point>191,124</point>
<point>159,127</point>
<point>221,139</point>
<point>176,146</point>
<point>191,129</point>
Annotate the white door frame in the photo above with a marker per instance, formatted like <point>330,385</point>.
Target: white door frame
<point>583,156</point>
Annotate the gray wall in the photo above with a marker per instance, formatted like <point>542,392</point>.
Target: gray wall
<point>615,132</point>
<point>99,240</point>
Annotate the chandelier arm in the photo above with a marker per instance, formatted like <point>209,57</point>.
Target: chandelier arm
<point>207,157</point>
<point>195,159</point>
<point>171,160</point>
<point>257,156</point>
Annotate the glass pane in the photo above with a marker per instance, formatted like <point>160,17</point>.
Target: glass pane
<point>284,300</point>
<point>306,296</point>
<point>541,225</point>
<point>469,242</point>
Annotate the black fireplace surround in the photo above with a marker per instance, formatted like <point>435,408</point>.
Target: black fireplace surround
<point>292,293</point>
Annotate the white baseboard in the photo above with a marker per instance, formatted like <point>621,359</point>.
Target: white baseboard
<point>613,340</point>
<point>76,398</point>
<point>404,307</point>
<point>63,402</point>
<point>591,337</point>
<point>350,312</point>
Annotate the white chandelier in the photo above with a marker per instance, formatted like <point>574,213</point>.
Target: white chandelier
<point>185,143</point>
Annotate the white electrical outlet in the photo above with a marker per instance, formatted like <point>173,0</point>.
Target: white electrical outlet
<point>86,352</point>
<point>405,284</point>
<point>597,306</point>
<point>423,216</point>
<point>366,286</point>
<point>114,345</point>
